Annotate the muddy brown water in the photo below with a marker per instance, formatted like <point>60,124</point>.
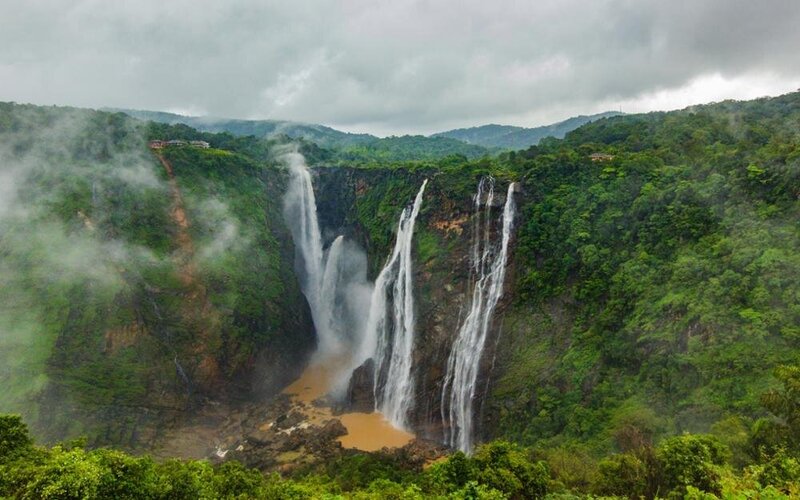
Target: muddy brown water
<point>365,431</point>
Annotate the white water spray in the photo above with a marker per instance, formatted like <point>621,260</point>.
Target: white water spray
<point>335,285</point>
<point>333,282</point>
<point>328,296</point>
<point>389,337</point>
<point>488,270</point>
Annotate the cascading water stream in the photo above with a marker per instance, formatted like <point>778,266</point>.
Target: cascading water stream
<point>389,338</point>
<point>328,294</point>
<point>488,269</point>
<point>335,284</point>
<point>331,281</point>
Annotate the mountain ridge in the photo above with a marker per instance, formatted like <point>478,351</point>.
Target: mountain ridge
<point>490,136</point>
<point>495,135</point>
<point>321,134</point>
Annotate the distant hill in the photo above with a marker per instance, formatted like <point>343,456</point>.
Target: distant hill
<point>320,134</point>
<point>511,137</point>
<point>411,148</point>
<point>352,146</point>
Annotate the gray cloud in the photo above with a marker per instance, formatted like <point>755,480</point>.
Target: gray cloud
<point>396,66</point>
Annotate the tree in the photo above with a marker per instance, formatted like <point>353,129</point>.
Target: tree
<point>14,437</point>
<point>692,460</point>
<point>623,474</point>
<point>785,403</point>
<point>504,467</point>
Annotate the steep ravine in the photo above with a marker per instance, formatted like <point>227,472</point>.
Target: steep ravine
<point>197,310</point>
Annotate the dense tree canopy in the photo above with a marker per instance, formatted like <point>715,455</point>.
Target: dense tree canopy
<point>649,343</point>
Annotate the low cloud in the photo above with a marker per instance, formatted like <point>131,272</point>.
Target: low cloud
<point>64,180</point>
<point>224,234</point>
<point>49,243</point>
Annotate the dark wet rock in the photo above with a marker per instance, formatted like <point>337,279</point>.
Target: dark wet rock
<point>360,396</point>
<point>326,401</point>
<point>422,451</point>
<point>332,429</point>
<point>260,437</point>
<point>287,421</point>
<point>283,450</point>
<point>254,455</point>
<point>322,441</point>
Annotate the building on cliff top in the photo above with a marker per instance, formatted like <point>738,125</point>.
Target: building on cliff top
<point>601,157</point>
<point>159,143</point>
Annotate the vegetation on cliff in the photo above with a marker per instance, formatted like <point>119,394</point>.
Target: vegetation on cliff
<point>654,291</point>
<point>657,289</point>
<point>130,292</point>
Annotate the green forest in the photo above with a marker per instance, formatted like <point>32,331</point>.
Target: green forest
<point>649,341</point>
<point>757,463</point>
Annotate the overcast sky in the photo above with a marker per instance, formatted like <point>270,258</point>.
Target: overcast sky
<point>391,67</point>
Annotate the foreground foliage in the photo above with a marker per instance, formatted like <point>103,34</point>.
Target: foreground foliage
<point>686,466</point>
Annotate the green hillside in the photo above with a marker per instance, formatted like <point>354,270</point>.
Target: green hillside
<point>656,288</point>
<point>647,343</point>
<point>320,134</point>
<point>511,137</point>
<point>129,295</point>
<point>348,147</point>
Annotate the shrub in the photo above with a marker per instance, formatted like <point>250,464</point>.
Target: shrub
<point>692,460</point>
<point>474,491</point>
<point>453,473</point>
<point>571,468</point>
<point>504,467</point>
<point>14,437</point>
<point>781,471</point>
<point>623,474</point>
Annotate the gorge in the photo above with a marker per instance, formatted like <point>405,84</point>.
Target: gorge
<point>589,297</point>
<point>385,337</point>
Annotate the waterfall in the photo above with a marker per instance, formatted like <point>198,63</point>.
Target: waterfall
<point>329,301</point>
<point>345,293</point>
<point>332,281</point>
<point>487,275</point>
<point>389,338</point>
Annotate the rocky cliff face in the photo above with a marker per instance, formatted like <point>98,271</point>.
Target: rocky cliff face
<point>365,204</point>
<point>229,327</point>
<point>188,297</point>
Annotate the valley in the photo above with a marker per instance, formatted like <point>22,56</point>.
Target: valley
<point>341,321</point>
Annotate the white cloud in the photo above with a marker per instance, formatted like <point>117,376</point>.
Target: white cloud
<point>711,88</point>
<point>394,66</point>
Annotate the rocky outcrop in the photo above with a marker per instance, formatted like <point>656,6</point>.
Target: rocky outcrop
<point>360,391</point>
